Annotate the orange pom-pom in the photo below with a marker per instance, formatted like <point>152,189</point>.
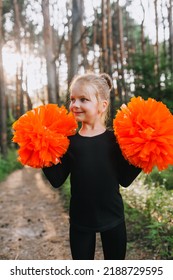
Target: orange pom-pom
<point>42,135</point>
<point>144,131</point>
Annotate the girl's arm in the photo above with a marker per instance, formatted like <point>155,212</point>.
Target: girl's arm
<point>126,172</point>
<point>57,174</point>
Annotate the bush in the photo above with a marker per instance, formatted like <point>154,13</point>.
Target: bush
<point>150,211</point>
<point>163,178</point>
<point>160,238</point>
<point>65,193</point>
<point>8,165</point>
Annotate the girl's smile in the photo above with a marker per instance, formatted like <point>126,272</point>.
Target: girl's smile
<point>77,114</point>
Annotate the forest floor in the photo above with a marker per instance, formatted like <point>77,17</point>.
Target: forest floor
<point>34,224</point>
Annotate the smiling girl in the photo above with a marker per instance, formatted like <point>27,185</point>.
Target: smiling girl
<point>96,167</point>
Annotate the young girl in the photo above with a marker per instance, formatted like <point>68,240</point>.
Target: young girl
<point>97,168</point>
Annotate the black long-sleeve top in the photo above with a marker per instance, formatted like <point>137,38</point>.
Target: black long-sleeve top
<point>97,168</point>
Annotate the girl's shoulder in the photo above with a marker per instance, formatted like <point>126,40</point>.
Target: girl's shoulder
<point>108,133</point>
<point>111,134</point>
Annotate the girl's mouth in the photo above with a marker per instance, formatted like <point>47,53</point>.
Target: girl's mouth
<point>77,113</point>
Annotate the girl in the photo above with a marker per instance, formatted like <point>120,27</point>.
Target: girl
<point>97,168</point>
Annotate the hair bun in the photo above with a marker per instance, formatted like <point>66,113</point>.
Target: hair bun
<point>108,79</point>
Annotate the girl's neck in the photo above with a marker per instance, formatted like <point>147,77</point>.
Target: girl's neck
<point>91,130</point>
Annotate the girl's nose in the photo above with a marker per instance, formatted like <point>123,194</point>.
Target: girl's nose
<point>76,104</point>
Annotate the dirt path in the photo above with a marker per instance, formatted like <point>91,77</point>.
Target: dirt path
<point>33,223</point>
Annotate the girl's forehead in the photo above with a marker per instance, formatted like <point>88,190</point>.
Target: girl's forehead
<point>83,90</point>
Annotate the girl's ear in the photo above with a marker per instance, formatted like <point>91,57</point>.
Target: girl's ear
<point>104,105</point>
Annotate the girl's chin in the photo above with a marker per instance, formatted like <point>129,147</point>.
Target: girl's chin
<point>78,119</point>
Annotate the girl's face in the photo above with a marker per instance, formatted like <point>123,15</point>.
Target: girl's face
<point>85,105</point>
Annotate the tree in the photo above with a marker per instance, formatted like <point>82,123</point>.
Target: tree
<point>110,38</point>
<point>170,21</point>
<point>122,50</point>
<point>157,63</point>
<point>104,37</point>
<point>164,31</point>
<point>53,96</point>
<point>110,58</point>
<point>19,73</point>
<point>142,29</point>
<point>3,115</point>
<point>77,18</point>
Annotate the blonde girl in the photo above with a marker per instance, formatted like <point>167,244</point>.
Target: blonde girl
<point>97,168</point>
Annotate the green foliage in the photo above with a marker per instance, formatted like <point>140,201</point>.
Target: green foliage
<point>163,178</point>
<point>132,216</point>
<point>9,165</point>
<point>149,82</point>
<point>168,96</point>
<point>152,234</point>
<point>161,239</point>
<point>65,193</point>
<point>149,211</point>
<point>10,121</point>
<point>9,4</point>
<point>143,66</point>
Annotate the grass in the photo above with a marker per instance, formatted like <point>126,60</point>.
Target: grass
<point>8,165</point>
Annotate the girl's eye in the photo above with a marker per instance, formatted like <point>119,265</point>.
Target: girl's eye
<point>83,99</point>
<point>72,99</point>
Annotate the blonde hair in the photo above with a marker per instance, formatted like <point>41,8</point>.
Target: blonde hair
<point>100,83</point>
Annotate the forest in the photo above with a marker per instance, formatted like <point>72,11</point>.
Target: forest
<point>45,43</point>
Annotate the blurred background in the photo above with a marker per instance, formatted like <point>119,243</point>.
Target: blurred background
<point>43,44</point>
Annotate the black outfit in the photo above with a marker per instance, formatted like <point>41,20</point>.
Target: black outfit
<point>97,167</point>
<point>83,243</point>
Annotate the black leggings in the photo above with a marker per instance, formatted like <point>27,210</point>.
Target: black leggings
<point>113,242</point>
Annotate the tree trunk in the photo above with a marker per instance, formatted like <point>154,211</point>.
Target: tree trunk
<point>122,51</point>
<point>164,32</point>
<point>77,17</point>
<point>142,29</point>
<point>104,38</point>
<point>84,49</point>
<point>110,59</point>
<point>157,64</point>
<point>116,51</point>
<point>170,20</point>
<point>3,114</point>
<point>94,41</point>
<point>19,73</point>
<point>110,42</point>
<point>97,42</point>
<point>28,99</point>
<point>53,96</point>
